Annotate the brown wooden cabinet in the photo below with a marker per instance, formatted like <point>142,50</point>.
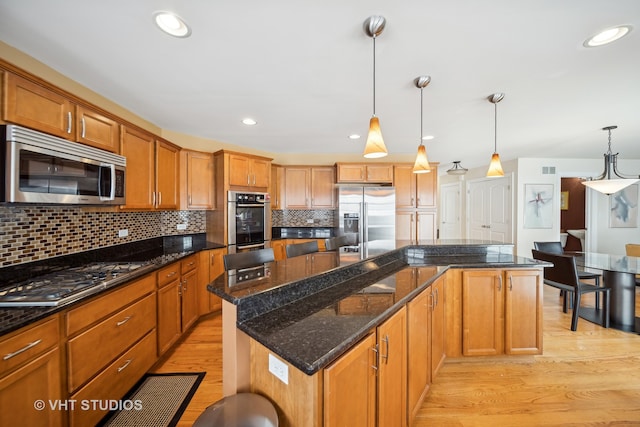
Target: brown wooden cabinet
<point>364,172</point>
<point>178,306</point>
<point>249,172</point>
<point>418,351</point>
<point>197,183</point>
<point>350,387</point>
<point>501,312</point>
<point>30,371</point>
<point>210,266</point>
<point>415,190</point>
<point>97,130</point>
<point>279,249</point>
<point>32,105</point>
<point>152,171</point>
<point>277,187</point>
<point>416,215</point>
<point>309,187</point>
<point>392,370</point>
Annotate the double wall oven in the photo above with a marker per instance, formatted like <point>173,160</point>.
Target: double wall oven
<point>249,221</point>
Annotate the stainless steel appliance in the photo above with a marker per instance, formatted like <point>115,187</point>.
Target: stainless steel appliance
<point>68,285</point>
<point>40,168</point>
<point>249,226</point>
<point>367,214</point>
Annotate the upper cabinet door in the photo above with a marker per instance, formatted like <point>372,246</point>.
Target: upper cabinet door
<point>297,181</point>
<point>97,130</point>
<point>138,148</point>
<point>323,189</point>
<point>261,171</point>
<point>31,105</point>
<point>426,189</point>
<point>200,180</point>
<point>405,184</point>
<point>167,163</point>
<point>239,171</point>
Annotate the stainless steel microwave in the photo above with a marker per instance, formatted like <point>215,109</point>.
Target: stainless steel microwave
<point>40,168</point>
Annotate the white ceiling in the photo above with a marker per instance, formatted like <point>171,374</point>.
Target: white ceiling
<point>303,70</point>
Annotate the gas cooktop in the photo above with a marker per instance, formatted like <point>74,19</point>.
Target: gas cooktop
<point>71,284</point>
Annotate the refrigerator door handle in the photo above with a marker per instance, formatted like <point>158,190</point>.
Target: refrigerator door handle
<point>365,222</point>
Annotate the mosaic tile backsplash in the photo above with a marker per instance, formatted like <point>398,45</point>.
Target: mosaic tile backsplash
<point>303,218</point>
<point>30,233</point>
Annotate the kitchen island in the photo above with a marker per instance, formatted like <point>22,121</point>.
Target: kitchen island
<point>286,331</point>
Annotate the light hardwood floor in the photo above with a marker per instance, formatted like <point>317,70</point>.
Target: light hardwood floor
<point>587,377</point>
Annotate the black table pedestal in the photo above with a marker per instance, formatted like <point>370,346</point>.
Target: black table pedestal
<point>622,301</point>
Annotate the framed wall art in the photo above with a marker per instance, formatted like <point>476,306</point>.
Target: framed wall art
<point>538,205</point>
<point>623,208</point>
<point>564,200</point>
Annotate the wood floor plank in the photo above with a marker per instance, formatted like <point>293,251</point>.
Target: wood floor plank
<point>583,378</point>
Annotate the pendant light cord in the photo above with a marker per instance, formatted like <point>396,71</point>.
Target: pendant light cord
<point>374,75</point>
<point>495,128</point>
<point>421,115</point>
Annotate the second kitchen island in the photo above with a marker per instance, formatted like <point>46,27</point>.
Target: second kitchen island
<point>332,339</point>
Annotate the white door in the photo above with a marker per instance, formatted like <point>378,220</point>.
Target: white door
<point>450,225</point>
<point>489,207</point>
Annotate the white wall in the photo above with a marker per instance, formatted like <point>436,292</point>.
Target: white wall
<point>600,236</point>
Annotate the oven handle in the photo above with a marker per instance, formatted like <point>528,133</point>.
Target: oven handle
<point>257,245</point>
<point>250,205</point>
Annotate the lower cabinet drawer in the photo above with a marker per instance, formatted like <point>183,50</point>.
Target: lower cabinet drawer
<point>113,382</point>
<point>28,344</point>
<point>93,349</point>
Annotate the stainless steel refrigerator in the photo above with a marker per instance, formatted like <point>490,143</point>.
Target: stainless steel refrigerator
<point>367,214</point>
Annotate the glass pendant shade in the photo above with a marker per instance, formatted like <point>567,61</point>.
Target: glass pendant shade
<point>375,147</point>
<point>609,186</point>
<point>604,184</point>
<point>457,169</point>
<point>495,167</point>
<point>422,163</point>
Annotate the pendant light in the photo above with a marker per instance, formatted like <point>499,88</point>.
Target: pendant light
<point>375,147</point>
<point>457,169</point>
<point>495,168</point>
<point>604,183</point>
<point>422,163</point>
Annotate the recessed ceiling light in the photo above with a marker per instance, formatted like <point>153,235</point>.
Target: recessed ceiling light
<point>607,36</point>
<point>249,122</point>
<point>354,136</point>
<point>171,24</point>
<point>427,137</point>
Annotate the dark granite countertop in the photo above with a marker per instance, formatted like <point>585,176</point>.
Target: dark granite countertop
<point>310,320</point>
<point>160,251</point>
<point>302,232</point>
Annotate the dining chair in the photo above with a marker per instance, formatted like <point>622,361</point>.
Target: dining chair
<point>335,243</point>
<point>297,249</point>
<point>564,276</point>
<point>241,260</point>
<point>633,249</point>
<point>556,248</point>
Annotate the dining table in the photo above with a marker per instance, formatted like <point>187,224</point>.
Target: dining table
<point>619,275</point>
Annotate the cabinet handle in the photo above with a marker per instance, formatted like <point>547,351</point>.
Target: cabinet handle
<point>499,283</point>
<point>123,321</point>
<point>437,297</point>
<point>510,282</point>
<point>83,133</point>
<point>386,356</point>
<point>159,198</point>
<point>153,198</point>
<point>68,121</point>
<point>376,361</point>
<point>433,300</point>
<point>184,285</point>
<point>254,180</point>
<point>248,179</point>
<point>123,367</point>
<point>22,350</point>
<point>190,200</point>
<point>173,273</point>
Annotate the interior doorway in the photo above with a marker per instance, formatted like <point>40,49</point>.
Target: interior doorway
<point>572,210</point>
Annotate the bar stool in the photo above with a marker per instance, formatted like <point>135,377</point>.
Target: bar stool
<point>239,410</point>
